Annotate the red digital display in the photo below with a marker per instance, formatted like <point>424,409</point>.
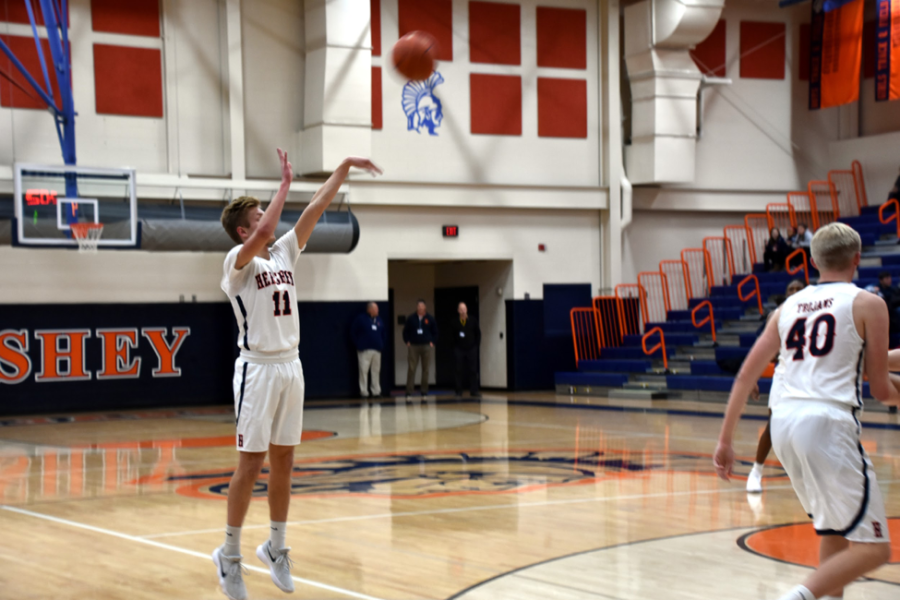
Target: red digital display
<point>40,197</point>
<point>451,231</point>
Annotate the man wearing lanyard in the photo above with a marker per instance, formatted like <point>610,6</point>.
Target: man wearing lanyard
<point>368,337</point>
<point>420,334</point>
<point>466,340</point>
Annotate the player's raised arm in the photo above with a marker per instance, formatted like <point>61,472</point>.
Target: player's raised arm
<point>871,312</point>
<point>326,194</point>
<point>264,232</point>
<point>766,346</point>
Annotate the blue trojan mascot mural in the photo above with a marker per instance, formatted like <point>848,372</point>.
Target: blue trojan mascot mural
<point>422,107</point>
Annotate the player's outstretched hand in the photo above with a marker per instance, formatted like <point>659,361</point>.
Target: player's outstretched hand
<point>364,164</point>
<point>287,171</point>
<point>723,460</point>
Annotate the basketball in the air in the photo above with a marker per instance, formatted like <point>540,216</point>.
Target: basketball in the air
<point>415,55</point>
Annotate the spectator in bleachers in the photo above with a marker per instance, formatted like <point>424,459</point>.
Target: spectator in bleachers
<point>801,240</point>
<point>776,251</point>
<point>791,236</point>
<point>804,237</point>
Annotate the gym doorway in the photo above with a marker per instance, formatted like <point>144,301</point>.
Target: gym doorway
<point>484,285</point>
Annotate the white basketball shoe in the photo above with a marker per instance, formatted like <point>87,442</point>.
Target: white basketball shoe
<point>231,575</point>
<point>754,480</point>
<point>279,564</point>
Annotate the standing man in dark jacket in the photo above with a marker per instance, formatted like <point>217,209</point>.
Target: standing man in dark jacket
<point>368,336</point>
<point>466,341</point>
<point>420,334</point>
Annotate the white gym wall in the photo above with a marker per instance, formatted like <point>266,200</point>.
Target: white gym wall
<point>507,193</point>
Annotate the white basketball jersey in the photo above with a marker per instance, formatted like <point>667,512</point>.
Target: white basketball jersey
<point>264,299</point>
<point>821,354</point>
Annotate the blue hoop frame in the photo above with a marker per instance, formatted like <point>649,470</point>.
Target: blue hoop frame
<point>54,13</point>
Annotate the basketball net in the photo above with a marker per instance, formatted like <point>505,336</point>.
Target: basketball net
<point>87,235</point>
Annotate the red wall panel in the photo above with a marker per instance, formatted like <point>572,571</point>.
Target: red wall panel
<point>135,17</point>
<point>495,33</point>
<point>10,95</point>
<point>709,55</point>
<point>561,38</point>
<point>496,104</point>
<point>433,16</point>
<point>128,81</point>
<point>803,53</point>
<point>762,50</point>
<point>375,10</point>
<point>14,11</point>
<point>376,98</point>
<point>562,108</point>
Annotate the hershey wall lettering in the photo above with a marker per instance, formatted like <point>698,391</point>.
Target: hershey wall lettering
<point>63,354</point>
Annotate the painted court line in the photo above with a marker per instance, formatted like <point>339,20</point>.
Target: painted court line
<point>125,536</point>
<point>444,511</point>
<point>625,434</point>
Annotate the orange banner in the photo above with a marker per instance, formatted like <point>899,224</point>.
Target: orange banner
<point>835,56</point>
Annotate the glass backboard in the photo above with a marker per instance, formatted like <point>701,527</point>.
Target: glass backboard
<point>48,199</point>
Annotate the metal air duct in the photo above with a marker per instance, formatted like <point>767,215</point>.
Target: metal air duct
<point>664,84</point>
<point>335,233</point>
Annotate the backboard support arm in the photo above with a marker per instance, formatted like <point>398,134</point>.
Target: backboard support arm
<point>54,13</point>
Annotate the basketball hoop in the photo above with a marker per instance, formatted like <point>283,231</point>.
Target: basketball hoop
<point>87,235</point>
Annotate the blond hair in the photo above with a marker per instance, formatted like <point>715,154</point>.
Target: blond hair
<point>236,214</point>
<point>834,246</point>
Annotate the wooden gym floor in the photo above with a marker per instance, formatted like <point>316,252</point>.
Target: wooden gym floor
<point>518,496</point>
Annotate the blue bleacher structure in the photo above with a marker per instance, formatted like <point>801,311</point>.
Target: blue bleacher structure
<point>695,362</point>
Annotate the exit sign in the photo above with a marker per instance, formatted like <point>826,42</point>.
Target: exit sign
<point>451,231</point>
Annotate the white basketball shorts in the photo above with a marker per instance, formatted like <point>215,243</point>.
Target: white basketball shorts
<point>268,404</point>
<point>818,445</point>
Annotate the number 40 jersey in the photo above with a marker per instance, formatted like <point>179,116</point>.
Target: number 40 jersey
<point>821,354</point>
<point>263,297</point>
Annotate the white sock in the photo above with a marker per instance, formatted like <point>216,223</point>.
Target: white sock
<point>799,593</point>
<point>277,534</point>
<point>232,541</point>
<point>757,468</point>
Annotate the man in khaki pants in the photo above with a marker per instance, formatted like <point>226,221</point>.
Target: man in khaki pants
<point>368,337</point>
<point>420,334</point>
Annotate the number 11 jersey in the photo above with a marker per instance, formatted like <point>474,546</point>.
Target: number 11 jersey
<point>821,354</point>
<point>263,297</point>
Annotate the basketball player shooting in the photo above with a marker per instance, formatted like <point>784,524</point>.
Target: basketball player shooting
<point>826,335</point>
<point>268,377</point>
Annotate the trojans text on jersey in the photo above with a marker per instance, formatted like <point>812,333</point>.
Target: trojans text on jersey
<point>808,307</point>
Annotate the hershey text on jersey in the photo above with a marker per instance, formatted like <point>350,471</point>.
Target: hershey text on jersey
<point>266,278</point>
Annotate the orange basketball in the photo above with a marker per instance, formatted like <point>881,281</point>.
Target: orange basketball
<point>415,55</point>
